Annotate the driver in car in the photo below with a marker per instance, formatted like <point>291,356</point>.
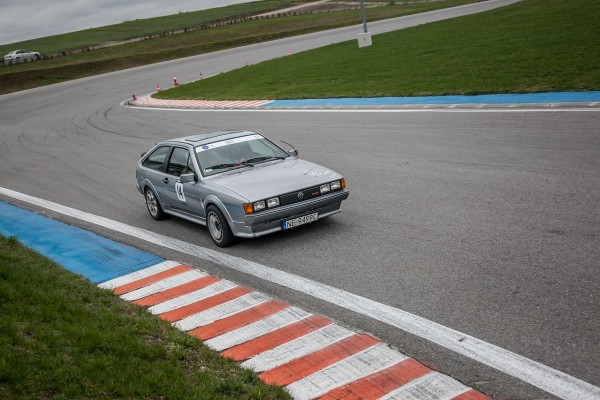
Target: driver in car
<point>240,152</point>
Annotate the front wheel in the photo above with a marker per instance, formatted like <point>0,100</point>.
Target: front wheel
<point>153,205</point>
<point>219,229</point>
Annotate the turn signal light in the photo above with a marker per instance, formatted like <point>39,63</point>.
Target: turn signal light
<point>248,209</point>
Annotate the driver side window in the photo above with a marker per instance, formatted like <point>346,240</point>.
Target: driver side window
<point>180,162</point>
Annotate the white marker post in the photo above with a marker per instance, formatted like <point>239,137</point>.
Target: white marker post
<point>364,39</point>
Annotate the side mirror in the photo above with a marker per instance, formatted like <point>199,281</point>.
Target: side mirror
<point>293,151</point>
<point>185,178</point>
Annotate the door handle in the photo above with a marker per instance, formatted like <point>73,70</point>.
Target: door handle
<point>166,180</point>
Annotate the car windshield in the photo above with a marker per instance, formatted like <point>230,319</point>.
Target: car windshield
<point>241,152</point>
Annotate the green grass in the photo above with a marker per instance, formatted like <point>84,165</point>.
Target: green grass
<point>63,338</point>
<point>532,46</point>
<point>24,76</point>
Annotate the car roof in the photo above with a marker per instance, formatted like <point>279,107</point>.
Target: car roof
<point>209,137</point>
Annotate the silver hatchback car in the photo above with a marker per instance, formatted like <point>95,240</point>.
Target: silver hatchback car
<point>238,183</point>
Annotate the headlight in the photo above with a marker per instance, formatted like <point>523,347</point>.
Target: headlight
<point>325,188</point>
<point>259,205</point>
<point>335,185</point>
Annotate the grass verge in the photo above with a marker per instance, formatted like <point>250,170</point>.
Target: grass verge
<point>63,338</point>
<point>531,46</point>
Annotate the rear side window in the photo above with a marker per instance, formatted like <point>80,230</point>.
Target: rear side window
<point>156,160</point>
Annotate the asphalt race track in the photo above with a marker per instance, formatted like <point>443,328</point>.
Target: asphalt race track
<point>486,222</point>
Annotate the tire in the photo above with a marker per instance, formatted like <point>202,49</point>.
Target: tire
<point>219,229</point>
<point>36,57</point>
<point>153,205</point>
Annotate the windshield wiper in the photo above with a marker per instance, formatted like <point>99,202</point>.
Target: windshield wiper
<point>265,158</point>
<point>230,165</point>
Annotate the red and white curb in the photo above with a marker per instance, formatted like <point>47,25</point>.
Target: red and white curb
<point>308,354</point>
<point>148,101</point>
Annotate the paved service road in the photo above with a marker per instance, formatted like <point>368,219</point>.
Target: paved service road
<point>484,222</point>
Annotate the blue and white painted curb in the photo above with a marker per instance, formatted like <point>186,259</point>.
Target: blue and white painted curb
<point>586,100</point>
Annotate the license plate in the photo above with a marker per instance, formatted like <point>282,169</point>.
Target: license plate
<point>305,219</point>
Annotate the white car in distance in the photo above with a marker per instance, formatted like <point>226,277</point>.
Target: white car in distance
<point>21,55</point>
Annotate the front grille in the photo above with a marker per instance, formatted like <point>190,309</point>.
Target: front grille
<point>302,195</point>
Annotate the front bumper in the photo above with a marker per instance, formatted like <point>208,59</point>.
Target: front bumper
<point>270,221</point>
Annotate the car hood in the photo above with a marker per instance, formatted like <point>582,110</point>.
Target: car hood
<point>274,178</point>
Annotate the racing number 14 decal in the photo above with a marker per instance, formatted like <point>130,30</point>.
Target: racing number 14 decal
<point>179,191</point>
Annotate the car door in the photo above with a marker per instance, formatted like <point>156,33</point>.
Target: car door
<point>182,197</point>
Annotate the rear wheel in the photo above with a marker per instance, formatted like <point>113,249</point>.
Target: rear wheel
<point>219,229</point>
<point>153,205</point>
